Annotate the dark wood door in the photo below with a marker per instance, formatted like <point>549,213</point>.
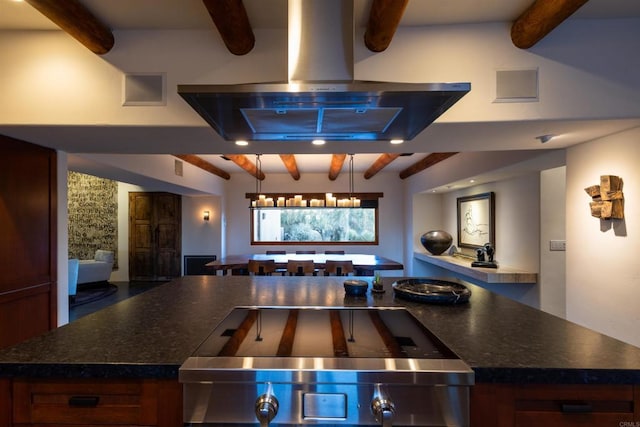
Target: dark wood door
<point>28,241</point>
<point>154,236</point>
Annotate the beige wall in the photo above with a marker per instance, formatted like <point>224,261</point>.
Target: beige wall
<point>603,271</point>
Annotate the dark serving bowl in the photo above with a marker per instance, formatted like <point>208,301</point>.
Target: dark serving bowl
<point>434,291</point>
<point>355,287</point>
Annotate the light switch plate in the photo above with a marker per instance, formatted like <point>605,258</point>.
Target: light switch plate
<point>557,245</point>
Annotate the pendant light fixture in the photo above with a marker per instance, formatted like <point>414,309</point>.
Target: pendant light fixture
<point>296,201</point>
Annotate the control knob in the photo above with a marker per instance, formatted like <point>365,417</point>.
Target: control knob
<point>266,408</point>
<point>382,407</point>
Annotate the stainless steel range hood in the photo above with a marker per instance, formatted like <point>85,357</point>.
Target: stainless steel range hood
<point>321,100</point>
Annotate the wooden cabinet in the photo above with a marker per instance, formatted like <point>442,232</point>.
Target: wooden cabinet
<point>552,405</point>
<point>28,246</point>
<point>96,402</point>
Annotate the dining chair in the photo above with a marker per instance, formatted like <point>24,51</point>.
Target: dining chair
<point>334,252</point>
<point>338,268</point>
<point>306,252</point>
<point>261,267</point>
<point>280,271</point>
<point>301,267</point>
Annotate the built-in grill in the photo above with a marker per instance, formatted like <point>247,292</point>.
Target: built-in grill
<point>324,366</point>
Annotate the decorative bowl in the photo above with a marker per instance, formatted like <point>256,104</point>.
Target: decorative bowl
<point>434,291</point>
<point>436,241</point>
<point>355,287</point>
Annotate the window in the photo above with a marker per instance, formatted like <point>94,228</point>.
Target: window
<point>316,225</point>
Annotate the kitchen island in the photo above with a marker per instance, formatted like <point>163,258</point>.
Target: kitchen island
<point>513,349</point>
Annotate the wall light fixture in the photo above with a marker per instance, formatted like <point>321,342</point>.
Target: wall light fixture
<point>206,216</point>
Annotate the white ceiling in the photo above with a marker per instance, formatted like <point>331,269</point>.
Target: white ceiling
<point>191,14</point>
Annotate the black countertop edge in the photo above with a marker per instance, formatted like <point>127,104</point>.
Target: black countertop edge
<point>89,370</point>
<point>482,375</point>
<point>556,376</point>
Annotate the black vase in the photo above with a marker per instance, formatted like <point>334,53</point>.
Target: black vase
<point>436,241</point>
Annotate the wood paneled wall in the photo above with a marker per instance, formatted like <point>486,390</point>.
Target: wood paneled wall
<point>28,240</point>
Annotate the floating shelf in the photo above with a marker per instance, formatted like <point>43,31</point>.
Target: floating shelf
<point>462,266</point>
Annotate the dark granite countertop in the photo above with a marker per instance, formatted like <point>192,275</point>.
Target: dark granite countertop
<point>150,335</point>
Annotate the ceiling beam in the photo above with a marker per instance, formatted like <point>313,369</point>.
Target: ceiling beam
<point>77,21</point>
<point>246,164</point>
<point>540,19</point>
<point>231,20</point>
<point>384,19</point>
<point>337,160</point>
<point>425,163</point>
<point>203,164</point>
<point>289,161</point>
<point>380,163</point>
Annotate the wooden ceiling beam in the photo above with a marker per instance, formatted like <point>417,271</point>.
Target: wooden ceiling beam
<point>425,163</point>
<point>337,160</point>
<point>289,161</point>
<point>384,19</point>
<point>231,20</point>
<point>203,164</point>
<point>246,164</point>
<point>380,163</point>
<point>540,19</point>
<point>77,21</point>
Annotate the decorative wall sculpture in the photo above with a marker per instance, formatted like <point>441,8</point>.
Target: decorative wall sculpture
<point>607,198</point>
<point>93,215</point>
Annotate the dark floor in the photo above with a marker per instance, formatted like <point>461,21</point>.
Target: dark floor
<point>125,290</point>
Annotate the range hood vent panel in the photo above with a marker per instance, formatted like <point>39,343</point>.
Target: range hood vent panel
<point>357,111</point>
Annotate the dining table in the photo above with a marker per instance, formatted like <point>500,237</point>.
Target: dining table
<point>363,264</point>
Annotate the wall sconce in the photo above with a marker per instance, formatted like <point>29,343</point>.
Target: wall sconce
<point>206,216</point>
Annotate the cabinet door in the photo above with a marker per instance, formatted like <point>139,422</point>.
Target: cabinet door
<point>5,402</point>
<point>85,402</point>
<point>552,405</point>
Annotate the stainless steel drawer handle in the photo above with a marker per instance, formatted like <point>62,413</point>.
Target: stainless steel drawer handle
<point>84,401</point>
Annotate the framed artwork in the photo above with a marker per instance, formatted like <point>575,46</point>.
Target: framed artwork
<point>476,220</point>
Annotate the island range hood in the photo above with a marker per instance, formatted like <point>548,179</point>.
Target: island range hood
<point>321,100</point>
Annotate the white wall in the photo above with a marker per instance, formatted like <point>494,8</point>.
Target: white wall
<point>552,227</point>
<point>42,67</point>
<point>200,237</point>
<point>63,239</point>
<point>517,218</point>
<point>390,211</point>
<point>603,272</point>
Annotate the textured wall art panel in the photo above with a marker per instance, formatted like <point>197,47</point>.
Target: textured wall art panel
<point>93,215</point>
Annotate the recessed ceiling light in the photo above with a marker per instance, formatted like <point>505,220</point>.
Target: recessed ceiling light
<point>472,181</point>
<point>242,142</point>
<point>396,141</point>
<point>318,142</point>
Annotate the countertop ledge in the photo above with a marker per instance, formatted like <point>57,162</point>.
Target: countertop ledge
<point>502,274</point>
<point>150,335</point>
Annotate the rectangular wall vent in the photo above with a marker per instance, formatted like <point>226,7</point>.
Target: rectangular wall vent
<point>516,85</point>
<point>177,167</point>
<point>144,89</point>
